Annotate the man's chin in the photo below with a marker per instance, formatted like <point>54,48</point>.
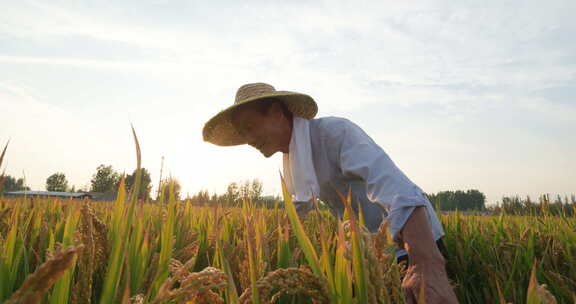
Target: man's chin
<point>268,154</point>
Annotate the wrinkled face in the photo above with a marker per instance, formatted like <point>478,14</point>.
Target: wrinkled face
<point>269,133</point>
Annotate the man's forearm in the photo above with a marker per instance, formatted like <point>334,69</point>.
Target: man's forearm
<point>418,239</point>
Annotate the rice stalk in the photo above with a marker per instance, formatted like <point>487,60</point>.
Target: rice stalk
<point>342,271</point>
<point>11,255</point>
<point>303,240</point>
<point>2,174</point>
<point>101,248</point>
<point>82,291</point>
<point>325,258</point>
<point>61,291</point>
<point>166,243</point>
<point>250,242</point>
<point>358,263</point>
<point>538,294</point>
<point>283,245</point>
<point>221,261</point>
<point>120,235</point>
<point>115,259</point>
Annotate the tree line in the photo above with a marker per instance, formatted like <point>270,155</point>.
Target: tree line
<point>469,200</point>
<point>236,193</point>
<point>560,206</point>
<point>10,183</point>
<point>107,180</point>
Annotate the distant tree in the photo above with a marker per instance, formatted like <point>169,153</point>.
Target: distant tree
<point>10,183</point>
<point>145,185</point>
<point>256,190</point>
<point>166,188</point>
<point>214,199</point>
<point>105,179</point>
<point>235,193</point>
<point>200,198</point>
<point>244,190</point>
<point>57,182</point>
<point>232,194</point>
<point>251,190</point>
<point>477,199</point>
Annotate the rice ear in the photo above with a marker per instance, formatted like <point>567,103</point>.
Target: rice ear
<point>290,281</point>
<point>38,283</point>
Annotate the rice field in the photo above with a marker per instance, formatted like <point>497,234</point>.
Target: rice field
<point>71,251</point>
<point>128,251</point>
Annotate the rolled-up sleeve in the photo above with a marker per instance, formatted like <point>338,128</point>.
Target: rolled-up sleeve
<point>386,184</point>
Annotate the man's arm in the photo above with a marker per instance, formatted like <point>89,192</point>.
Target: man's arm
<point>427,265</point>
<point>386,184</point>
<point>408,220</point>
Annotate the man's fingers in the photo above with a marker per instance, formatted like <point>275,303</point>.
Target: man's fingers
<point>407,287</point>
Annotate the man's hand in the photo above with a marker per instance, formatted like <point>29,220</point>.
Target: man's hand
<point>427,265</point>
<point>432,274</point>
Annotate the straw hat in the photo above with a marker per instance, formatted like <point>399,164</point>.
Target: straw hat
<point>220,131</point>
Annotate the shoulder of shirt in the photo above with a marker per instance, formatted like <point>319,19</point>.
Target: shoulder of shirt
<point>330,121</point>
<point>332,126</point>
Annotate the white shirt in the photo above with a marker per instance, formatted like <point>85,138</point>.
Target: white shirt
<point>345,157</point>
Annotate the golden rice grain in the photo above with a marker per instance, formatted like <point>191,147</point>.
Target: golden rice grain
<point>193,286</point>
<point>289,281</point>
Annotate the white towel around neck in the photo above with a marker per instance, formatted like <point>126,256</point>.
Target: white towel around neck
<point>299,171</point>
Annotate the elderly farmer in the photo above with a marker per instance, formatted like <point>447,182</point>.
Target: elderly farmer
<point>325,155</point>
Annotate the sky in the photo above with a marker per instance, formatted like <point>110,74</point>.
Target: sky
<point>460,94</point>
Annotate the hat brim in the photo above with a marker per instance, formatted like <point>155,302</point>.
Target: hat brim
<point>220,131</point>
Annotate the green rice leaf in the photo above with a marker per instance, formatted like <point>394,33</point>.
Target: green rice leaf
<point>303,240</point>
